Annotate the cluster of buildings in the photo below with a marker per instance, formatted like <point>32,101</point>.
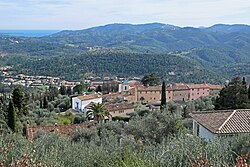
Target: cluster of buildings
<point>34,81</point>
<point>134,91</point>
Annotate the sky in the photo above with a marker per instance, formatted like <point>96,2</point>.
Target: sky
<point>81,14</point>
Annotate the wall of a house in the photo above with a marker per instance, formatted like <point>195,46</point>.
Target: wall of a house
<point>83,104</point>
<point>199,130</point>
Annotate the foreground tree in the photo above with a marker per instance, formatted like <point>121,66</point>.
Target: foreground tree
<point>98,112</point>
<point>163,95</point>
<point>11,117</point>
<point>45,102</point>
<point>233,96</point>
<point>19,101</point>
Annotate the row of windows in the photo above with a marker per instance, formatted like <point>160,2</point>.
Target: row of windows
<point>198,93</point>
<point>120,111</point>
<point>149,92</point>
<point>199,90</point>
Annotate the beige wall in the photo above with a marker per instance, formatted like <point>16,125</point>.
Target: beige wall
<point>121,113</point>
<point>149,96</point>
<point>181,95</point>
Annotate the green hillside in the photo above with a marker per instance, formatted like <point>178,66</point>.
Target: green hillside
<point>178,54</point>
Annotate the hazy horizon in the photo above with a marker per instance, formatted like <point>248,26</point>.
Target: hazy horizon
<point>119,23</point>
<point>82,14</point>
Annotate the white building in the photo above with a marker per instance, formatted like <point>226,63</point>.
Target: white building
<point>207,125</point>
<point>124,86</point>
<point>80,103</point>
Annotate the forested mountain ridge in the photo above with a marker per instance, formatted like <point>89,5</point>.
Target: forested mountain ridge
<point>178,54</point>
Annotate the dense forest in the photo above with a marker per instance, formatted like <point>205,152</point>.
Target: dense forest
<point>173,68</point>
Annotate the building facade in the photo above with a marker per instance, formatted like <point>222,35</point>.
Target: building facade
<point>79,103</point>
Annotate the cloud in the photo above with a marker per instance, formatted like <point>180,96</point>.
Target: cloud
<point>79,14</point>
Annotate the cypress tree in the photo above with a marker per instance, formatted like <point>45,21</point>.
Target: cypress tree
<point>63,90</point>
<point>99,88</point>
<point>45,102</point>
<point>41,104</point>
<point>163,95</point>
<point>17,97</point>
<point>244,81</point>
<point>19,101</point>
<point>248,93</point>
<point>11,117</point>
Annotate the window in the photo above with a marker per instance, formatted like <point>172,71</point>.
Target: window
<point>77,106</point>
<point>198,93</point>
<point>203,93</point>
<point>154,98</point>
<point>198,129</point>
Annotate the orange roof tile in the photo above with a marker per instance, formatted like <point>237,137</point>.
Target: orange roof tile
<point>224,122</point>
<point>89,97</point>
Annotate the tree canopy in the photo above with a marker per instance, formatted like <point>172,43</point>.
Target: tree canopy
<point>151,79</point>
<point>233,96</point>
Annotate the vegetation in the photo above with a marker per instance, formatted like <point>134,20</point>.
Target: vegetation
<point>159,138</point>
<point>233,96</point>
<point>12,122</point>
<point>150,80</point>
<point>98,112</point>
<point>108,145</point>
<point>163,95</point>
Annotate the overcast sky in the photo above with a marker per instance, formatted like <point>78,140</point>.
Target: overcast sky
<point>80,14</point>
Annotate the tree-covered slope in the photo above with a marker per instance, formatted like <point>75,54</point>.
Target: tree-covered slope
<point>171,67</point>
<point>121,49</point>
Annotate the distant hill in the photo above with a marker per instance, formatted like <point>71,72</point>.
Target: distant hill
<point>215,50</point>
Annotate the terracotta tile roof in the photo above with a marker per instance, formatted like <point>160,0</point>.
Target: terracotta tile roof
<point>111,94</point>
<point>64,130</point>
<point>178,86</point>
<point>198,86</point>
<point>149,88</point>
<point>118,106</point>
<point>224,122</point>
<point>216,87</point>
<point>89,97</point>
<point>183,86</point>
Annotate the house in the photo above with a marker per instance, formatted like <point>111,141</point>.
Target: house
<point>207,125</point>
<point>110,86</point>
<point>80,103</point>
<point>148,94</point>
<point>120,109</point>
<point>198,90</point>
<point>178,92</point>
